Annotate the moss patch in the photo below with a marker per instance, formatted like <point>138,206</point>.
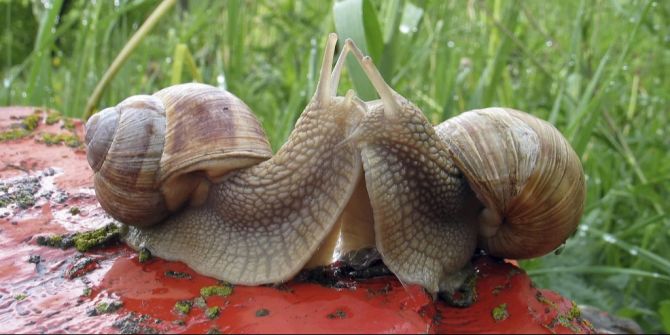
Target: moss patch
<point>68,138</point>
<point>20,296</point>
<point>74,210</point>
<point>98,238</point>
<point>144,255</point>
<point>13,134</point>
<point>31,121</point>
<point>500,313</point>
<point>212,312</point>
<point>183,307</point>
<point>220,290</point>
<point>107,307</point>
<point>53,117</point>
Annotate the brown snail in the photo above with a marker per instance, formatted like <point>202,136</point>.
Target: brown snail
<point>528,186</point>
<point>423,201</point>
<point>262,222</point>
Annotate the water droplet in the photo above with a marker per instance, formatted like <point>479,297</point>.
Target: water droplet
<point>24,94</point>
<point>47,4</point>
<point>655,275</point>
<point>168,60</point>
<point>549,43</point>
<point>117,3</point>
<point>609,238</point>
<point>633,251</point>
<point>653,4</point>
<point>451,44</point>
<point>6,82</point>
<point>625,67</point>
<point>221,81</point>
<point>405,29</point>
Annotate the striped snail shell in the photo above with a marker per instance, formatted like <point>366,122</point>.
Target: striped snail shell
<point>152,154</point>
<point>525,173</point>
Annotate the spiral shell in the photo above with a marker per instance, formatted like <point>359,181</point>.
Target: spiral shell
<point>151,154</point>
<point>525,173</point>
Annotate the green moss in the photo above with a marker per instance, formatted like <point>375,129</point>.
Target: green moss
<point>212,312</point>
<point>574,312</point>
<point>74,210</point>
<point>68,123</point>
<point>24,199</point>
<point>104,307</point>
<point>219,290</point>
<point>20,296</point>
<point>69,139</point>
<point>86,292</point>
<point>53,117</point>
<point>500,313</point>
<point>55,241</point>
<point>144,255</point>
<point>183,306</point>
<point>83,241</point>
<point>96,238</point>
<point>13,134</point>
<point>31,121</point>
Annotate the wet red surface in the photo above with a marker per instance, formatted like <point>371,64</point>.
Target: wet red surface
<point>58,289</point>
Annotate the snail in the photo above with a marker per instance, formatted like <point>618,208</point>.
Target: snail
<point>261,218</point>
<point>495,178</point>
<point>352,175</point>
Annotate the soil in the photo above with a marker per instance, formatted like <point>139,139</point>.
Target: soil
<point>108,290</point>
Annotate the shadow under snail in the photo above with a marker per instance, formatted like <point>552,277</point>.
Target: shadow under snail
<point>190,171</point>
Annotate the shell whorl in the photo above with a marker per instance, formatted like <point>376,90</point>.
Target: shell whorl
<point>151,154</point>
<point>525,173</point>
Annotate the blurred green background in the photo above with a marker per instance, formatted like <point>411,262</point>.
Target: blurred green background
<point>597,69</point>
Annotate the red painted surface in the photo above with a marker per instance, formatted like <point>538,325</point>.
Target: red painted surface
<point>46,297</point>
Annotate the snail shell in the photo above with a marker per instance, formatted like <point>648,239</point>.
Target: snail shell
<point>525,173</point>
<point>151,154</point>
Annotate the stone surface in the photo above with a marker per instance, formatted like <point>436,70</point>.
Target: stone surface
<point>54,290</point>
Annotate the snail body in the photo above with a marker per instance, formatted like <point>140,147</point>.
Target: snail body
<point>352,175</point>
<point>260,223</point>
<point>499,179</point>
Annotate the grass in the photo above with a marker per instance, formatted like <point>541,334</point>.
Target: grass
<point>597,69</point>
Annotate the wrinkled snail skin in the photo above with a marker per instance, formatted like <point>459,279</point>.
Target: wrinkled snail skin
<point>263,223</point>
<point>424,212</point>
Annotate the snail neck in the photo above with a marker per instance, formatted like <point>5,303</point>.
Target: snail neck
<point>425,226</point>
<point>286,206</point>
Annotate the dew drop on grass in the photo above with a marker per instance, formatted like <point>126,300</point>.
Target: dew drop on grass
<point>168,60</point>
<point>633,251</point>
<point>609,238</point>
<point>5,82</point>
<point>405,29</point>
<point>549,43</point>
<point>451,44</point>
